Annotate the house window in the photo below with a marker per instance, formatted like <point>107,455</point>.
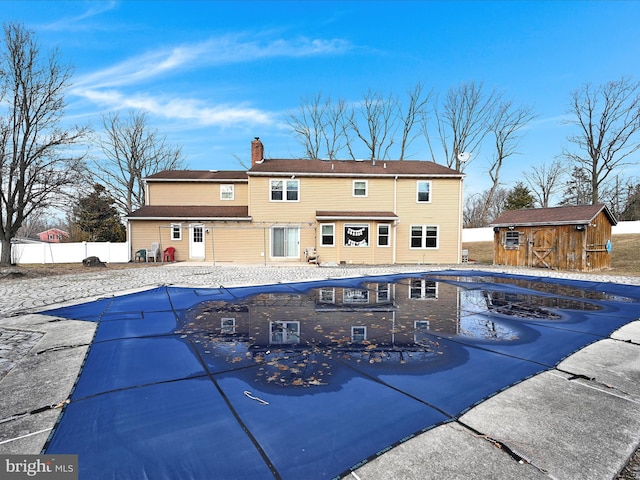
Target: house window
<point>424,236</point>
<point>423,289</point>
<point>285,190</point>
<point>512,239</point>
<point>383,235</point>
<point>227,326</point>
<point>420,337</point>
<point>356,235</point>
<point>284,332</point>
<point>359,188</point>
<point>226,192</point>
<point>358,334</point>
<point>176,231</point>
<point>424,191</point>
<point>352,295</point>
<point>327,234</point>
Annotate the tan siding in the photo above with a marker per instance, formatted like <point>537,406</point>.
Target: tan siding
<point>252,245</point>
<point>195,193</point>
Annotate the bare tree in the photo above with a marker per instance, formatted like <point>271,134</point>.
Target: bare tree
<point>507,124</point>
<point>36,166</point>
<point>413,116</point>
<point>463,121</point>
<point>475,213</point>
<point>608,121</point>
<point>375,124</point>
<point>545,180</point>
<point>132,151</point>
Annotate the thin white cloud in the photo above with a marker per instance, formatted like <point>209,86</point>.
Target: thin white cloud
<point>180,109</point>
<point>214,52</point>
<point>75,23</point>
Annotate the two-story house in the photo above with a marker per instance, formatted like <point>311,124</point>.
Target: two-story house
<point>360,212</point>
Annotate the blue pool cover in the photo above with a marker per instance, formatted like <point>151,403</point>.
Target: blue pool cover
<point>310,380</point>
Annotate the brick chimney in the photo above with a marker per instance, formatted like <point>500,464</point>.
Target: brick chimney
<point>257,151</point>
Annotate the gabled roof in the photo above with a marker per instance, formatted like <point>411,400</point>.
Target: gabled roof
<point>576,215</point>
<point>361,168</point>
<point>198,176</point>
<point>195,213</point>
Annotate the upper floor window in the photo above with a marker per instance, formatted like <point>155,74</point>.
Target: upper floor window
<point>424,191</point>
<point>359,188</point>
<point>227,326</point>
<point>358,334</point>
<point>285,190</point>
<point>226,192</point>
<point>424,236</point>
<point>176,231</point>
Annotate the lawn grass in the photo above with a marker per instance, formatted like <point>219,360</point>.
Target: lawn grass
<point>625,256</point>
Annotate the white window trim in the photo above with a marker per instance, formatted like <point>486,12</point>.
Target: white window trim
<point>227,329</point>
<point>424,230</point>
<point>233,191</point>
<point>333,236</point>
<point>418,191</point>
<point>388,245</point>
<point>331,298</point>
<point>179,227</point>
<point>284,189</point>
<point>352,334</point>
<point>284,342</point>
<point>387,298</point>
<point>417,330</point>
<point>423,290</point>
<point>356,225</point>
<point>366,188</point>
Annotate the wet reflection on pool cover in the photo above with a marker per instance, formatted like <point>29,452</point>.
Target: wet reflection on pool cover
<point>383,324</point>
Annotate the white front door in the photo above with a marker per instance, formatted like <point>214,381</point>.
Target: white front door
<point>196,242</point>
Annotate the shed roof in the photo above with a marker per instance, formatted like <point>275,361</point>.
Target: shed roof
<point>195,213</point>
<point>574,215</point>
<point>362,168</point>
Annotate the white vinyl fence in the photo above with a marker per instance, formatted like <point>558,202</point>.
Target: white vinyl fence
<point>69,252</point>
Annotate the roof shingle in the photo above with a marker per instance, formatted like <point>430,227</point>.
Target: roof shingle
<point>198,212</point>
<point>581,214</point>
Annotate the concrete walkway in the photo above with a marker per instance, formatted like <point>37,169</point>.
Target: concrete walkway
<point>579,421</point>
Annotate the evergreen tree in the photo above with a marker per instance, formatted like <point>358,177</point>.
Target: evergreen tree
<point>519,197</point>
<point>577,189</point>
<point>96,219</point>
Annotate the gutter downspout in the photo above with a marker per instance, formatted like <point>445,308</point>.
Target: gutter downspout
<point>460,221</point>
<point>395,223</point>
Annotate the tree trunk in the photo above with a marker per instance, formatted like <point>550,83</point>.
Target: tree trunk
<point>5,256</point>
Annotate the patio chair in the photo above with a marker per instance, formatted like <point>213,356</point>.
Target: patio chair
<point>169,254</point>
<point>153,252</point>
<point>311,255</point>
<point>141,255</point>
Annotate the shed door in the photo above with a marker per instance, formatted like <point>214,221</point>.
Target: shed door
<point>542,245</point>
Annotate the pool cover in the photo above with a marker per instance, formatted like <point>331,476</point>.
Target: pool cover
<point>310,380</point>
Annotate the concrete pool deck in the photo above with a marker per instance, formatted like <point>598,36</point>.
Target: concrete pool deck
<point>580,420</point>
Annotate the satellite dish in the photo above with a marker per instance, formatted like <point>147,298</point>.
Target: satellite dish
<point>464,156</point>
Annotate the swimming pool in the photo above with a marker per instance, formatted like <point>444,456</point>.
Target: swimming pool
<point>311,379</point>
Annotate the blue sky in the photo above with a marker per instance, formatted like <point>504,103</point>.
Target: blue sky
<point>214,74</point>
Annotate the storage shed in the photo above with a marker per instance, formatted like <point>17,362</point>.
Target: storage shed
<point>564,238</point>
